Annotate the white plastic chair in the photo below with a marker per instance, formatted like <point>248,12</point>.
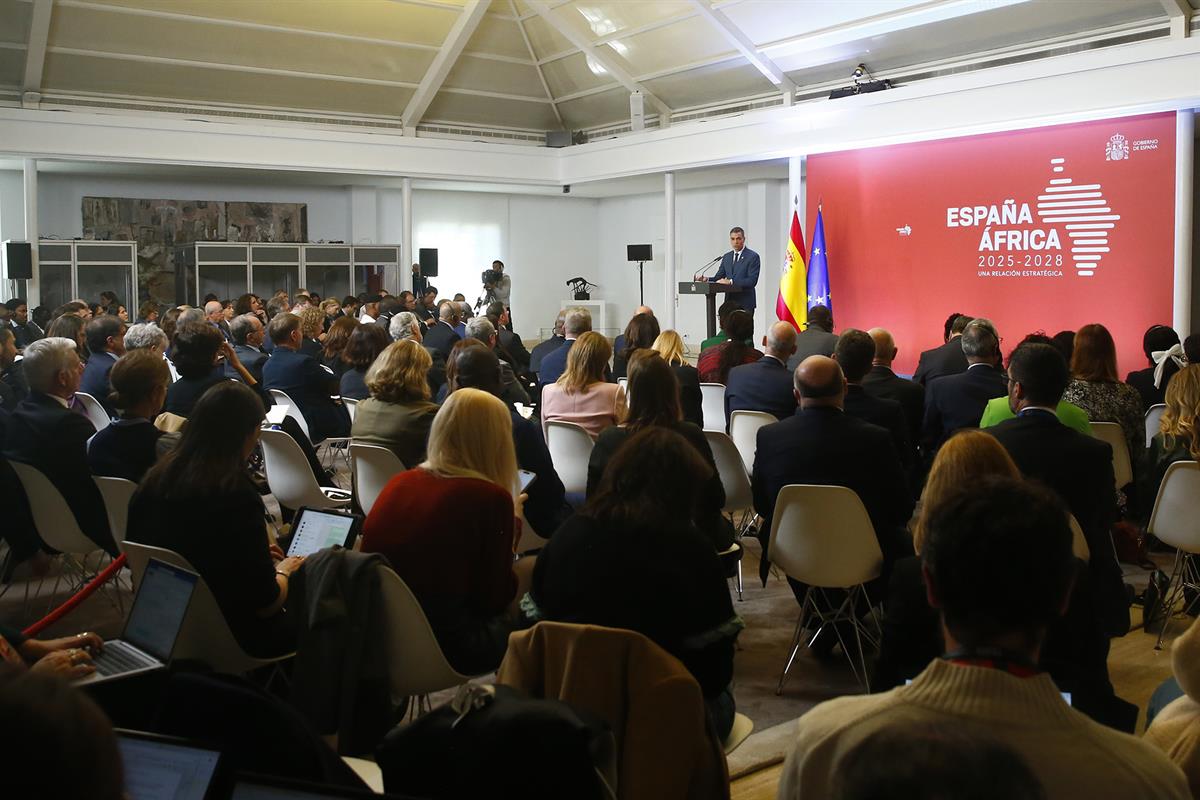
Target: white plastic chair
<point>1153,420</point>
<point>570,449</point>
<point>96,414</point>
<point>117,493</point>
<point>1174,521</point>
<point>1112,433</point>
<point>372,466</point>
<point>351,407</point>
<point>205,635</point>
<point>281,398</point>
<point>712,406</point>
<point>415,660</point>
<point>736,483</point>
<point>823,537</point>
<point>1079,545</point>
<point>290,477</point>
<point>743,430</point>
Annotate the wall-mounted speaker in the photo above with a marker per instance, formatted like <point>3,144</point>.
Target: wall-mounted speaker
<point>427,256</point>
<point>18,261</point>
<point>639,252</point>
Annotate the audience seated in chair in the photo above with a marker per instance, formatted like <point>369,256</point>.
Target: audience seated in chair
<point>13,386</point>
<point>545,508</point>
<point>881,382</point>
<point>670,346</point>
<point>1178,437</point>
<point>1095,388</point>
<point>766,384</point>
<point>723,312</point>
<point>953,402</point>
<point>106,342</point>
<point>715,362</point>
<point>365,344</point>
<point>637,530</point>
<point>582,395</point>
<point>312,328</point>
<point>448,527</point>
<point>817,338</point>
<point>68,657</point>
<point>309,384</point>
<point>198,501</point>
<point>130,445</point>
<point>854,352</point>
<point>948,358</point>
<point>336,339</point>
<point>654,403</point>
<point>544,348</point>
<point>1166,355</point>
<point>576,322</point>
<point>43,433</point>
<point>248,333</point>
<point>398,414</point>
<point>640,334</point>
<point>481,328</point>
<point>441,335</point>
<point>987,683</point>
<point>998,409</point>
<point>1175,729</point>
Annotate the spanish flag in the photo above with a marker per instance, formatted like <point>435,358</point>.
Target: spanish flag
<point>791,305</point>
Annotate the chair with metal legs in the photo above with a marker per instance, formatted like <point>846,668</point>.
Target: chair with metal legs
<point>738,495</point>
<point>1175,522</point>
<point>822,536</point>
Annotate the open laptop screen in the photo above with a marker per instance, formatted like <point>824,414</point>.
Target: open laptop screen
<point>160,769</point>
<point>316,530</point>
<point>158,610</point>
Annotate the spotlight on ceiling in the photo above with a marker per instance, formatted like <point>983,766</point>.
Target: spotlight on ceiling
<point>861,86</point>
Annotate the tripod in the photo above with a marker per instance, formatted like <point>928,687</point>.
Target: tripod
<point>486,299</point>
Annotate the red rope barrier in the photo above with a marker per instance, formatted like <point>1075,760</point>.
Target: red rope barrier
<point>75,599</point>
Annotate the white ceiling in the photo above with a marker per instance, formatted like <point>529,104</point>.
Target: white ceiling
<point>523,65</point>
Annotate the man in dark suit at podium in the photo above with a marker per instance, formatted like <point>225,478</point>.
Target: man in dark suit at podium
<point>739,268</point>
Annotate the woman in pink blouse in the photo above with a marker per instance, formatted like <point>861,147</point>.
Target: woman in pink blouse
<point>582,395</point>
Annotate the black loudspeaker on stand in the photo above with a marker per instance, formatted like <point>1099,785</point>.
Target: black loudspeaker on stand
<point>641,253</point>
<point>18,261</point>
<point>427,257</point>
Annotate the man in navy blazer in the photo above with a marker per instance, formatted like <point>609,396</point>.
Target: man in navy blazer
<point>766,384</point>
<point>953,402</point>
<point>106,341</point>
<point>577,322</point>
<point>739,268</point>
<point>306,381</point>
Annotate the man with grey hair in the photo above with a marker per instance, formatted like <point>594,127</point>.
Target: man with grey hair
<point>189,315</point>
<point>248,334</point>
<point>214,313</point>
<point>46,434</point>
<point>953,402</point>
<point>145,336</point>
<point>512,392</point>
<point>442,336</point>
<point>543,349</point>
<point>405,325</point>
<point>766,384</point>
<point>577,322</point>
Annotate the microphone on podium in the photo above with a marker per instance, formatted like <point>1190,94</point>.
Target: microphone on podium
<point>696,275</point>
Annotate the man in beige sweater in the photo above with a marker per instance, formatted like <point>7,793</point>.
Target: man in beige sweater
<point>1176,729</point>
<point>997,563</point>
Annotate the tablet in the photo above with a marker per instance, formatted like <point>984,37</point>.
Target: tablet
<point>315,529</point>
<point>166,768</point>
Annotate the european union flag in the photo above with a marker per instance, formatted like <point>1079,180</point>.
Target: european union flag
<point>818,268</point>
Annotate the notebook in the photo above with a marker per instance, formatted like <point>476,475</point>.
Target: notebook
<point>315,529</point>
<point>164,768</point>
<point>153,626</point>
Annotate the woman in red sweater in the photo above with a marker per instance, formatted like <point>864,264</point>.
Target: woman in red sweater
<point>448,528</point>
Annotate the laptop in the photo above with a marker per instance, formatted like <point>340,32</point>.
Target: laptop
<point>153,626</point>
<point>315,529</point>
<point>165,768</point>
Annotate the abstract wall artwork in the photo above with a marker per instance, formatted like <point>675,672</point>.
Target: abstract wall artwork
<point>159,226</point>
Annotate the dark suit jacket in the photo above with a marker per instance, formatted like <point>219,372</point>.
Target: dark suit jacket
<point>310,385</point>
<point>744,274</point>
<point>554,363</point>
<point>948,359</point>
<point>957,401</point>
<point>887,414</point>
<point>252,359</point>
<point>690,396</point>
<point>812,341</point>
<point>827,446</point>
<point>311,347</point>
<point>441,337</point>
<point>765,385</point>
<point>13,387</point>
<point>125,449</point>
<point>883,383</point>
<point>95,378</point>
<point>1143,381</point>
<point>513,345</point>
<point>1079,469</point>
<point>541,350</point>
<point>47,436</point>
<point>183,394</point>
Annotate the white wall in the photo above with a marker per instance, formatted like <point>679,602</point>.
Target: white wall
<point>12,205</point>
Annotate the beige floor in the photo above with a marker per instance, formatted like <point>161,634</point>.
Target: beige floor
<point>1135,667</point>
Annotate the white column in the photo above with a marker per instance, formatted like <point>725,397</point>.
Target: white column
<point>407,253</point>
<point>1185,148</point>
<point>34,297</point>
<point>669,257</point>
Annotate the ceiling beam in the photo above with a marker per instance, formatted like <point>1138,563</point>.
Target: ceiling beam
<point>604,59</point>
<point>35,53</point>
<point>541,75</point>
<point>742,43</point>
<point>1180,13</point>
<point>443,62</point>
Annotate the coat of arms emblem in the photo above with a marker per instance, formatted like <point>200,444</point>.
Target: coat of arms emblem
<point>1117,148</point>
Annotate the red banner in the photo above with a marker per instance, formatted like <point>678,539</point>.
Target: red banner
<point>1044,229</point>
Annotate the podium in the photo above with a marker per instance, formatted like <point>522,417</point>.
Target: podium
<point>710,291</point>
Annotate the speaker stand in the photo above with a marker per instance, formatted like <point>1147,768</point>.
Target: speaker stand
<point>641,284</point>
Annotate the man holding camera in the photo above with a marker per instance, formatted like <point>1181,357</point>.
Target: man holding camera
<point>497,287</point>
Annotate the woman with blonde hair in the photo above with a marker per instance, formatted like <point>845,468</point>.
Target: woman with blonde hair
<point>459,565</point>
<point>1178,437</point>
<point>312,326</point>
<point>398,414</point>
<point>670,346</point>
<point>582,395</point>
